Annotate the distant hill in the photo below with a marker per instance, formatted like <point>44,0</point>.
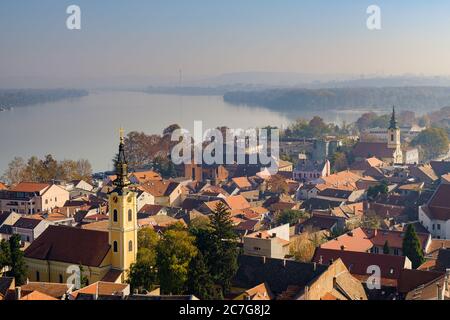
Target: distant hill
<point>25,97</point>
<point>411,98</point>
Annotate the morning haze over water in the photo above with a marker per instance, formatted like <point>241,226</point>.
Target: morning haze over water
<point>83,127</point>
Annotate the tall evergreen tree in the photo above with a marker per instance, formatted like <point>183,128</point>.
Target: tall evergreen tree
<point>16,262</point>
<point>412,247</point>
<point>224,253</point>
<point>200,282</point>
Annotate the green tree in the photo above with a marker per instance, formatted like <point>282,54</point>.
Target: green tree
<point>84,281</point>
<point>165,167</point>
<point>5,254</point>
<point>289,216</point>
<point>386,249</point>
<point>11,256</point>
<point>433,143</point>
<point>200,282</point>
<point>223,253</point>
<point>339,161</point>
<point>375,191</point>
<point>412,247</point>
<point>143,274</point>
<point>174,254</point>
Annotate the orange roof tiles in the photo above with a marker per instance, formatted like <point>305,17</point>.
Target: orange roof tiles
<point>37,296</point>
<point>159,188</point>
<point>101,288</point>
<point>237,202</point>
<point>242,182</point>
<point>29,187</point>
<point>145,176</point>
<point>355,240</point>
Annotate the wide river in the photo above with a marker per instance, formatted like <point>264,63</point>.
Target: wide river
<point>88,127</point>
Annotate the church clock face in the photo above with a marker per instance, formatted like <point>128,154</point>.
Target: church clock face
<point>130,199</point>
<point>115,199</point>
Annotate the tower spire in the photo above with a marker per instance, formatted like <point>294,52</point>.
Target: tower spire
<point>121,165</point>
<point>393,123</point>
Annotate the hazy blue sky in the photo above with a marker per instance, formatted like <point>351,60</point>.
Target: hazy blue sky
<point>208,37</point>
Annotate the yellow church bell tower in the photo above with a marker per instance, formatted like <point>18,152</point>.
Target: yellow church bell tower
<point>122,216</point>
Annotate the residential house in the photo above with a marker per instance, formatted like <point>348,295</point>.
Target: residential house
<point>31,197</point>
<point>293,280</point>
<point>435,215</point>
<point>272,243</point>
<point>373,240</point>
<point>165,192</point>
<point>308,170</point>
<point>360,264</point>
<point>29,229</point>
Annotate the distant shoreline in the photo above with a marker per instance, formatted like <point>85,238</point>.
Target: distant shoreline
<point>16,98</point>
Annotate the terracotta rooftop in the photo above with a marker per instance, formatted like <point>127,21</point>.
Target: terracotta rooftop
<point>237,202</point>
<point>29,187</point>
<point>372,149</point>
<point>356,240</point>
<point>144,176</point>
<point>242,182</point>
<point>102,289</point>
<point>159,188</point>
<point>358,262</point>
<point>37,296</point>
<point>260,292</point>
<point>55,290</point>
<point>439,205</point>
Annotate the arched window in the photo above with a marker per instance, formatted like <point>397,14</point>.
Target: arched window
<point>38,276</point>
<point>115,215</point>
<point>130,215</point>
<point>130,245</point>
<point>61,278</point>
<point>115,246</point>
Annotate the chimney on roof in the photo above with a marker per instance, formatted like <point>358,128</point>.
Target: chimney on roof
<point>320,260</point>
<point>314,266</point>
<point>284,263</point>
<point>264,259</point>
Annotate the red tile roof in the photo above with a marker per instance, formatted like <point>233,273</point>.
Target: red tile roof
<point>372,149</point>
<point>359,262</point>
<point>237,202</point>
<point>29,187</point>
<point>439,205</point>
<point>411,279</point>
